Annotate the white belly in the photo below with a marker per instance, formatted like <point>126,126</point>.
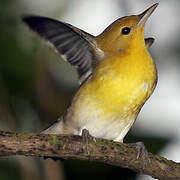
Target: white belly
<point>97,124</point>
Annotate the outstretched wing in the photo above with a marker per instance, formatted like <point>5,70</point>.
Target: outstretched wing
<point>73,44</point>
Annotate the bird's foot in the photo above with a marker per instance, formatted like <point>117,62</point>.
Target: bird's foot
<point>86,136</point>
<point>142,152</point>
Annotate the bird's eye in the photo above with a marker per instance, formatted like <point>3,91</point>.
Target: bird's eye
<point>126,30</point>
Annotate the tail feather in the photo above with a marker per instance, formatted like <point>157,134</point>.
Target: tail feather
<point>55,128</point>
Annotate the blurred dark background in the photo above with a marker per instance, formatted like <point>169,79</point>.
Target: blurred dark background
<point>36,85</point>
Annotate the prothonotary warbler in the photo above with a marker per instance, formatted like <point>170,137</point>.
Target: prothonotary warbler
<point>116,74</point>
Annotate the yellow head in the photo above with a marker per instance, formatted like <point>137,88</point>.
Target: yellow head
<point>125,32</point>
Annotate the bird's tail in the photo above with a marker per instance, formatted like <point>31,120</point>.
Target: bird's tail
<point>55,128</point>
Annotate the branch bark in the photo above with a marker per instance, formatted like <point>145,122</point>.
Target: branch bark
<point>71,147</point>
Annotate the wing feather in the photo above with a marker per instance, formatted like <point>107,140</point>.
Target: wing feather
<point>67,40</point>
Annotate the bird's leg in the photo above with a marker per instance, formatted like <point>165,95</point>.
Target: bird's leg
<point>86,136</point>
<point>142,151</point>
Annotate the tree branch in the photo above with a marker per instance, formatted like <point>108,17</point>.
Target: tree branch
<point>71,147</point>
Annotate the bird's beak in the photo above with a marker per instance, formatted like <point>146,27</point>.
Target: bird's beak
<point>145,15</point>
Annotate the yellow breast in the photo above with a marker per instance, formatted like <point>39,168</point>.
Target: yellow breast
<point>120,84</point>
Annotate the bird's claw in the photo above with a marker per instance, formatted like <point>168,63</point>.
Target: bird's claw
<point>85,137</point>
<point>142,152</point>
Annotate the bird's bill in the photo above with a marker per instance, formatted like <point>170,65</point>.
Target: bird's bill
<point>145,15</point>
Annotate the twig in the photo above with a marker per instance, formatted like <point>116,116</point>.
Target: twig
<point>71,147</point>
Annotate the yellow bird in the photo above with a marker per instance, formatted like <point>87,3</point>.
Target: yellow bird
<point>116,72</point>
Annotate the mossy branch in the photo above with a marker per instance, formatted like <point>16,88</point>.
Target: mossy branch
<point>71,147</point>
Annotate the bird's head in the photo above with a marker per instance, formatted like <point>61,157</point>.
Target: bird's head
<point>125,32</point>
